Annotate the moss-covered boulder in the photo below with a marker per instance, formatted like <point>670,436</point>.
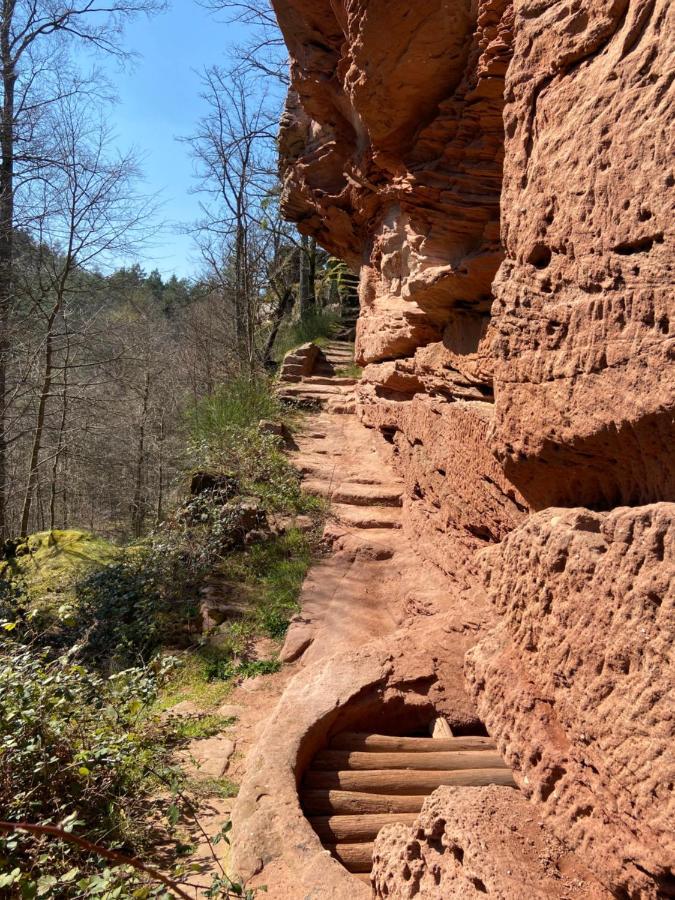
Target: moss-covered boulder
<point>46,565</point>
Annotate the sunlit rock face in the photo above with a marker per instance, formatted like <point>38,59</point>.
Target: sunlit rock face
<point>581,331</point>
<point>408,124</point>
<point>392,147</point>
<point>576,683</point>
<point>392,154</point>
<point>501,175</point>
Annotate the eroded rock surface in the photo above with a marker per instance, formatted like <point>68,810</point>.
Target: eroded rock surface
<point>392,151</point>
<point>581,329</point>
<point>576,683</point>
<point>470,842</point>
<point>511,364</point>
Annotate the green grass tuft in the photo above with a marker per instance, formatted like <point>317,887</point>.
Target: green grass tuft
<point>317,326</point>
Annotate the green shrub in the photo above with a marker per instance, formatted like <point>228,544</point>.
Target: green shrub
<point>240,403</point>
<point>79,749</point>
<point>317,325</point>
<point>221,667</point>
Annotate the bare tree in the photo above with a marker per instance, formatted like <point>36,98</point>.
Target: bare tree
<point>89,209</point>
<point>32,32</point>
<point>265,52</point>
<point>234,153</point>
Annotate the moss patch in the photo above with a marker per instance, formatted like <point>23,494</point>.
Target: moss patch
<point>47,564</point>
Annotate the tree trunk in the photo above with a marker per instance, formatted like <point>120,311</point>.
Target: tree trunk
<point>307,275</point>
<point>60,441</point>
<point>160,472</point>
<point>6,240</point>
<point>45,392</point>
<point>284,306</point>
<point>138,503</point>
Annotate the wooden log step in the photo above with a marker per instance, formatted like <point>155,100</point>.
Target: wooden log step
<point>385,743</point>
<point>336,760</point>
<point>405,781</point>
<point>356,829</point>
<point>326,802</point>
<point>362,876</point>
<point>354,857</point>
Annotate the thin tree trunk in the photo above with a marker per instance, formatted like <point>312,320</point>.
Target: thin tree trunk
<point>284,306</point>
<point>138,503</point>
<point>6,239</point>
<point>160,472</point>
<point>307,275</point>
<point>45,393</point>
<point>60,441</point>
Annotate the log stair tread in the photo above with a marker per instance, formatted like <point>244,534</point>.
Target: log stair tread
<point>362,782</point>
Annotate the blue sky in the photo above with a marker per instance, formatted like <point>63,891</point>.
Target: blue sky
<point>158,102</point>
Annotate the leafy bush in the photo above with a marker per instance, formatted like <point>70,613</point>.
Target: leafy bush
<point>75,749</point>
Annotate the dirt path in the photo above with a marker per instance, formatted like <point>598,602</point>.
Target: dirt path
<point>367,584</point>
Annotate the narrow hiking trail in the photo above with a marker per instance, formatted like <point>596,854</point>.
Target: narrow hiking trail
<point>366,585</point>
<point>370,580</point>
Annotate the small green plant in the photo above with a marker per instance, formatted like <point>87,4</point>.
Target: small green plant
<point>350,371</point>
<point>221,667</point>
<point>317,326</point>
<point>222,787</point>
<point>197,727</point>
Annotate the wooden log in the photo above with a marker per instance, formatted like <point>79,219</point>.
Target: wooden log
<point>325,802</point>
<point>356,829</point>
<point>335,760</point>
<point>362,876</point>
<point>385,743</point>
<point>405,782</point>
<point>354,857</point>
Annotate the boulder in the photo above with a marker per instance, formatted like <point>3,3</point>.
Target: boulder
<point>470,842</point>
<point>576,683</point>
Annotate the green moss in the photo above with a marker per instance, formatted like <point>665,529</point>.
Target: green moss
<point>190,683</point>
<point>203,788</point>
<point>47,564</point>
<point>350,371</point>
<point>197,727</point>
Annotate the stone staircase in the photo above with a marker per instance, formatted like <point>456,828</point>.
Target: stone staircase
<point>310,377</point>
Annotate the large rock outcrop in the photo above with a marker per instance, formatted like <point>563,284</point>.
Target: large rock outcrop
<point>404,131</point>
<point>581,330</point>
<point>500,173</point>
<point>576,683</point>
<point>391,151</point>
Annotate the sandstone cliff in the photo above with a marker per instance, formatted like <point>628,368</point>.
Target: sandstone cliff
<point>500,174</point>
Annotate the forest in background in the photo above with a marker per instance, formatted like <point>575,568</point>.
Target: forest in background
<point>100,369</point>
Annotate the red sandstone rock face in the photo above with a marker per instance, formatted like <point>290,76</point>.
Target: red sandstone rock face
<point>582,323</point>
<point>392,148</point>
<point>473,842</point>
<point>456,498</point>
<point>518,369</point>
<point>576,684</point>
